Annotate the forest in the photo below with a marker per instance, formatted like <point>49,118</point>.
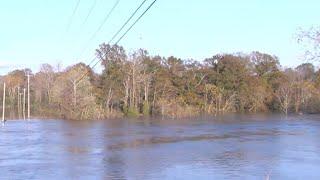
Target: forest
<point>137,84</point>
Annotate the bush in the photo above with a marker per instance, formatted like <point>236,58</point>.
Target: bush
<point>146,109</point>
<point>132,112</point>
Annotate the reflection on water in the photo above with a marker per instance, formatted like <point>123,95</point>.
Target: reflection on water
<point>229,147</point>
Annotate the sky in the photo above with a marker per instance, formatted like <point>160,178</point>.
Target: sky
<point>34,32</point>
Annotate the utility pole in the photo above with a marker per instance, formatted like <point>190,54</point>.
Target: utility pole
<point>3,101</point>
<point>19,110</point>
<point>28,96</point>
<point>20,113</point>
<point>24,104</point>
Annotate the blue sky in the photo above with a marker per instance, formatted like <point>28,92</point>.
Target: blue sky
<point>35,31</point>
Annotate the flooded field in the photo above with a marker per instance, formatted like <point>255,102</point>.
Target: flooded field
<point>229,147</point>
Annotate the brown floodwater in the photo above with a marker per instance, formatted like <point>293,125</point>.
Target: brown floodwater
<point>228,147</point>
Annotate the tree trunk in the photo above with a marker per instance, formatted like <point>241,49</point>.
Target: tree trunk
<point>74,93</point>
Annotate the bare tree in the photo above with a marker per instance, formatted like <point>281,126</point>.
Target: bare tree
<point>310,38</point>
<point>284,96</point>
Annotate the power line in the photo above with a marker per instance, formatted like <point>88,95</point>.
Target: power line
<point>85,74</point>
<point>137,20</point>
<point>104,20</point>
<point>117,33</point>
<point>92,61</point>
<point>100,27</point>
<point>134,13</point>
<point>73,14</point>
<point>90,11</point>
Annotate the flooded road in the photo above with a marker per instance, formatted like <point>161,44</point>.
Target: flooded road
<point>229,147</point>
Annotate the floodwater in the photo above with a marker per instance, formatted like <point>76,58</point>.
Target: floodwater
<point>228,147</point>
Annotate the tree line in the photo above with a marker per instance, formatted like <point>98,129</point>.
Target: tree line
<point>137,84</point>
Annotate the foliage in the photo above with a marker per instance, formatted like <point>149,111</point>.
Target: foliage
<point>136,84</point>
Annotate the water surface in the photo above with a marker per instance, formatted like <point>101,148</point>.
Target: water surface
<point>229,147</point>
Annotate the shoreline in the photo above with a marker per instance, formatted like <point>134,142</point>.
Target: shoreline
<point>167,118</point>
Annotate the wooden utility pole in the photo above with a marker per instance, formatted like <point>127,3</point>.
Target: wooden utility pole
<point>24,104</point>
<point>20,97</point>
<point>19,109</point>
<point>28,96</point>
<point>4,101</point>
